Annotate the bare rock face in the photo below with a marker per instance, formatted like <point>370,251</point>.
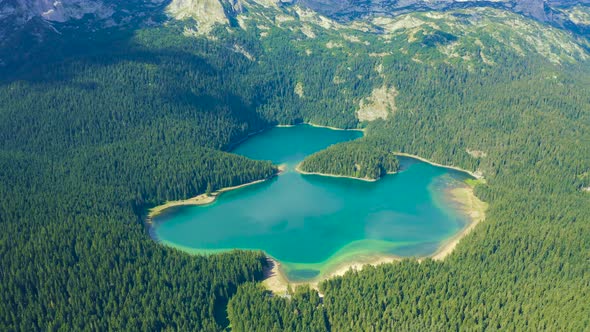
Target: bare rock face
<point>26,24</point>
<point>541,10</point>
<point>236,6</point>
<point>110,12</point>
<point>59,12</point>
<point>379,105</point>
<point>205,12</point>
<point>56,11</point>
<point>62,11</point>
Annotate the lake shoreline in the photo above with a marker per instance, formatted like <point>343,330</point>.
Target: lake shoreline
<point>232,145</point>
<point>276,279</point>
<point>476,175</point>
<point>298,170</point>
<point>471,206</point>
<point>333,128</point>
<point>468,203</point>
<point>204,199</point>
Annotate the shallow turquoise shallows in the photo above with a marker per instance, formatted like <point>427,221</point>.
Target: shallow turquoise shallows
<point>312,223</point>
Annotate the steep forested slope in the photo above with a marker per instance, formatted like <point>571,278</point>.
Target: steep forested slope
<point>89,141</point>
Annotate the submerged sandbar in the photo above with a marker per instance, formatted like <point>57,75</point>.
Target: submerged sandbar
<point>277,281</point>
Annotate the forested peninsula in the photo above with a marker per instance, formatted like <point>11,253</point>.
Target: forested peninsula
<point>210,194</point>
<point>355,159</point>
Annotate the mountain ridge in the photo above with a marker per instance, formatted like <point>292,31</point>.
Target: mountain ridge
<point>108,13</point>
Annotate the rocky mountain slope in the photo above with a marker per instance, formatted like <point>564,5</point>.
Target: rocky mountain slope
<point>552,11</point>
<point>453,27</point>
<point>542,10</point>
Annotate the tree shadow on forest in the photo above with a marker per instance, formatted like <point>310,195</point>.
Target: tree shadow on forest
<point>63,60</point>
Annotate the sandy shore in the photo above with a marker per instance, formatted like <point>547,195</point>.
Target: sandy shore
<point>477,175</point>
<point>341,269</point>
<point>204,199</point>
<point>276,281</point>
<point>471,206</point>
<point>463,196</point>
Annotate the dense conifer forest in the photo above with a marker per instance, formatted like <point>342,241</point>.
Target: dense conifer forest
<point>89,142</point>
<point>357,159</point>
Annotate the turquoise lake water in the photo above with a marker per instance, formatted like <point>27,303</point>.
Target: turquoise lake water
<point>311,223</point>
